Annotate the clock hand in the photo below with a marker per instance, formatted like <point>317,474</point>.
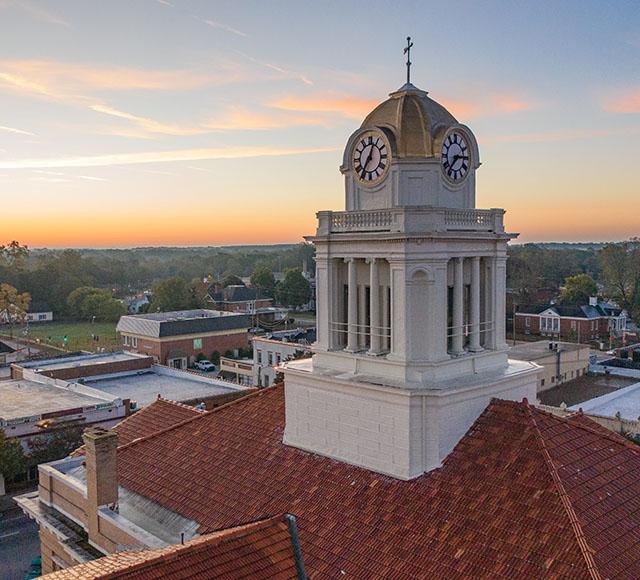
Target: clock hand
<point>368,158</point>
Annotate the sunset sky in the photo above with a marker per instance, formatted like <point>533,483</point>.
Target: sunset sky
<point>175,122</point>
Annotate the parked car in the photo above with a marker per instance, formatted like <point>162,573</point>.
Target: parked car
<point>205,365</point>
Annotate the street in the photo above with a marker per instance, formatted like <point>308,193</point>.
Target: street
<point>19,544</point>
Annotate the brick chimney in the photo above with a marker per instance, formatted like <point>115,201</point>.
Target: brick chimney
<point>102,474</point>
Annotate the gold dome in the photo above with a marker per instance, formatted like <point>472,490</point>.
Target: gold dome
<point>418,123</point>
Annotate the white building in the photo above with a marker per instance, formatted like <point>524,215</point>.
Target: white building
<point>272,350</point>
<point>410,299</point>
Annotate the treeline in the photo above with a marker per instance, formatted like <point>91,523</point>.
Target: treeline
<point>610,270</point>
<point>50,276</point>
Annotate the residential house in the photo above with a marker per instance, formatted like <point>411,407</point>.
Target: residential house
<point>593,321</point>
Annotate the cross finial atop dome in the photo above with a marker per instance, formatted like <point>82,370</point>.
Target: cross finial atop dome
<point>407,51</point>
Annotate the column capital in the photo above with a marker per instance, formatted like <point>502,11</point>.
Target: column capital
<point>348,260</point>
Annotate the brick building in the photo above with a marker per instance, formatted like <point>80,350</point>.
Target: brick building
<point>594,321</point>
<point>238,298</point>
<point>175,339</point>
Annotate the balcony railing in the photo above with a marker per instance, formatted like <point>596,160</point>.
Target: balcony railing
<point>411,220</point>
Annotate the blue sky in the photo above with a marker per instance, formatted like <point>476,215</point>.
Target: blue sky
<point>183,122</point>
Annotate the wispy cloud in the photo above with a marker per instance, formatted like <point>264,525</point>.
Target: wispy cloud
<point>356,107</point>
<point>158,157</point>
<point>286,72</point>
<point>16,131</point>
<point>49,176</point>
<point>52,77</point>
<point>560,135</point>
<point>239,118</point>
<point>208,21</point>
<point>35,11</point>
<point>487,104</point>
<point>222,26</point>
<point>343,105</point>
<point>625,101</point>
<point>149,125</point>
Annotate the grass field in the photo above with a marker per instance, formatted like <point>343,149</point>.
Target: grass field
<point>79,335</point>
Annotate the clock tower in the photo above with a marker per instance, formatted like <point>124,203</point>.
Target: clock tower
<point>410,288</point>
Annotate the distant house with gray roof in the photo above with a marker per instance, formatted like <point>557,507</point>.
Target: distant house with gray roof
<point>596,320</point>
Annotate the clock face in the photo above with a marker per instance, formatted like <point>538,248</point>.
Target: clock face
<point>370,157</point>
<point>455,156</point>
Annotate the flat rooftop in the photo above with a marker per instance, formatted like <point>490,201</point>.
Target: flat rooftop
<point>540,349</point>
<point>625,401</point>
<point>83,360</point>
<point>184,315</point>
<point>163,324</point>
<point>25,398</point>
<point>144,386</point>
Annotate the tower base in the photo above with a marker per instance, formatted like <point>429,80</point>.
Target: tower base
<point>398,431</point>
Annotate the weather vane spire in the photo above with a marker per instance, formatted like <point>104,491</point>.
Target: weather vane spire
<point>407,51</point>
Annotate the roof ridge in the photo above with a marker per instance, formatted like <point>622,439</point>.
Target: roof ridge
<point>161,399</point>
<point>610,435</point>
<point>585,549</point>
<point>174,551</point>
<point>198,417</point>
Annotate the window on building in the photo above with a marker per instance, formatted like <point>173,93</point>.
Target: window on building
<point>134,342</point>
<point>574,324</point>
<point>197,344</point>
<point>527,322</point>
<point>125,340</point>
<point>542,383</point>
<point>277,358</point>
<point>270,358</point>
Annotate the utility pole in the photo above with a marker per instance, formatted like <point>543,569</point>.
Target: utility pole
<point>514,323</point>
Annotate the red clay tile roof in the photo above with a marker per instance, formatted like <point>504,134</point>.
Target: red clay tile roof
<point>523,495</point>
<point>161,414</point>
<point>258,550</point>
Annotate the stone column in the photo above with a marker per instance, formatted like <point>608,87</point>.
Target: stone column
<point>352,305</point>
<point>474,343</point>
<point>362,317</point>
<point>374,307</point>
<point>500,315</point>
<point>324,290</point>
<point>386,322</point>
<point>458,306</point>
<point>489,305</point>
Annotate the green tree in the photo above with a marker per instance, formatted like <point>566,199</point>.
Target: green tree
<point>294,290</point>
<point>76,299</point>
<point>102,307</point>
<point>621,274</point>
<point>54,444</point>
<point>172,294</point>
<point>13,255</point>
<point>12,459</point>
<point>578,289</point>
<point>263,280</point>
<point>13,304</point>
